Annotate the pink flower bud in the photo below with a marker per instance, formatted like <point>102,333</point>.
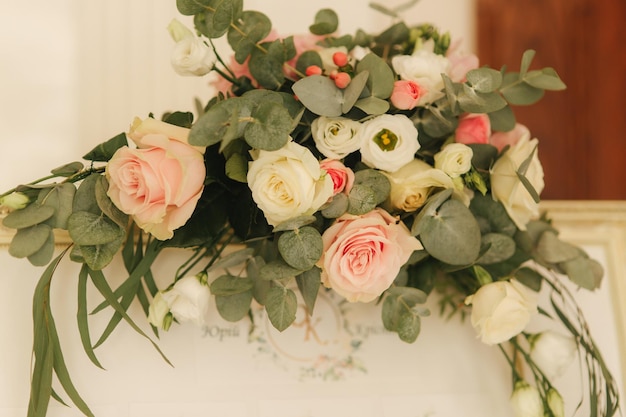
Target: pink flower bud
<point>406,94</point>
<point>342,79</point>
<point>340,59</point>
<point>473,128</point>
<point>342,176</point>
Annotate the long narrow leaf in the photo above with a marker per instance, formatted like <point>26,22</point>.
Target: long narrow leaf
<point>82,317</point>
<point>125,302</point>
<point>100,282</point>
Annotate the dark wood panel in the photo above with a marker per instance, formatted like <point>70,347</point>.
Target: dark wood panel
<point>582,130</point>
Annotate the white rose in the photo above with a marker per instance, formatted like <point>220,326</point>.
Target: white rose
<point>412,184</point>
<point>526,401</point>
<point>158,310</point>
<point>190,56</point>
<point>501,310</point>
<point>455,159</point>
<point>424,67</point>
<point>509,190</point>
<point>552,352</point>
<point>336,137</point>
<point>288,183</point>
<point>388,142</point>
<point>189,299</point>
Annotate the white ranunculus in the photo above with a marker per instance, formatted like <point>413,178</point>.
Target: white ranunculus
<point>507,188</point>
<point>412,184</point>
<point>526,401</point>
<point>501,310</point>
<point>288,183</point>
<point>336,137</point>
<point>388,142</point>
<point>455,159</point>
<point>424,67</point>
<point>189,299</point>
<point>190,56</point>
<point>552,352</point>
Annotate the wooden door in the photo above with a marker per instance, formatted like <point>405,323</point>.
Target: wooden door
<point>582,130</point>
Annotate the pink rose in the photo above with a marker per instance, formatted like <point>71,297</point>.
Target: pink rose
<point>363,254</point>
<point>461,62</point>
<point>510,138</point>
<point>159,182</point>
<point>406,94</point>
<point>342,176</point>
<point>473,128</point>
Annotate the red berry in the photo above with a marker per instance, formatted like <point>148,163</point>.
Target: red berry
<point>340,59</point>
<point>333,74</point>
<point>313,70</point>
<point>342,80</point>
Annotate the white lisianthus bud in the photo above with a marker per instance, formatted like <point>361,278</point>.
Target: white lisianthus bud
<point>455,159</point>
<point>191,56</point>
<point>336,137</point>
<point>388,142</point>
<point>159,309</point>
<point>14,201</point>
<point>526,401</point>
<point>424,67</point>
<point>552,352</point>
<point>189,299</point>
<point>555,403</point>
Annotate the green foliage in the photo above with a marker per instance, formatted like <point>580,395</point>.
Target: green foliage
<point>326,22</point>
<point>301,248</point>
<point>401,313</point>
<point>104,151</point>
<point>281,306</point>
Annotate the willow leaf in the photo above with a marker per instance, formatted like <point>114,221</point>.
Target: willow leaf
<point>81,316</point>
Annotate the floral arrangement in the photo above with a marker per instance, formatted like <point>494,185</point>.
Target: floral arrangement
<point>383,167</point>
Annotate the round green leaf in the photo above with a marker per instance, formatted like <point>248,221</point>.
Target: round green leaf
<point>294,223</point>
<point>43,256</point>
<point>381,79</point>
<point>320,95</point>
<point>281,306</point>
<point>28,241</point>
<point>214,20</point>
<point>301,248</point>
<point>252,27</point>
<point>500,248</point>
<point>233,307</point>
<point>326,22</point>
<point>30,215</point>
<point>222,122</point>
<point>484,80</point>
<point>88,229</point>
<point>270,127</point>
<point>99,256</point>
<point>451,234</point>
<point>230,285</point>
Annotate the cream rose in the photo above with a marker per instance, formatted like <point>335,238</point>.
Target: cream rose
<point>412,184</point>
<point>363,254</point>
<point>501,310</point>
<point>388,142</point>
<point>190,56</point>
<point>158,183</point>
<point>288,183</point>
<point>336,137</point>
<point>509,190</point>
<point>455,159</point>
<point>424,68</point>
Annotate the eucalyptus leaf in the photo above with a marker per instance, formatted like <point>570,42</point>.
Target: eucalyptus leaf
<point>234,307</point>
<point>294,223</point>
<point>270,127</point>
<point>106,205</point>
<point>502,120</point>
<point>472,101</point>
<point>88,229</point>
<point>277,270</point>
<point>361,199</point>
<point>31,215</point>
<point>380,79</point>
<point>301,248</point>
<point>230,285</point>
<point>527,58</point>
<point>44,254</point>
<point>233,259</point>
<point>85,197</point>
<point>281,306</point>
<point>337,206</point>
<point>309,284</point>
<point>584,272</point>
<point>61,198</point>
<point>408,327</point>
<point>518,92</point>
<point>530,278</point>
<point>554,250</point>
<point>484,80</point>
<point>28,241</point>
<point>372,105</point>
<point>222,122</point>
<point>99,256</point>
<point>546,79</point>
<point>320,95</point>
<point>500,248</point>
<point>308,59</point>
<point>252,28</point>
<point>266,66</point>
<point>326,22</point>
<point>191,7</point>
<point>237,167</point>
<point>353,91</point>
<point>215,17</point>
<point>451,234</point>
